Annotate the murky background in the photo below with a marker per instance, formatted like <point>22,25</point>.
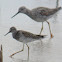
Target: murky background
<point>46,50</point>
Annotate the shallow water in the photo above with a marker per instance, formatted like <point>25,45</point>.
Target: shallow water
<point>45,50</point>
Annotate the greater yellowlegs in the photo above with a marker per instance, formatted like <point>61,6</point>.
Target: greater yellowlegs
<point>24,37</point>
<point>39,14</point>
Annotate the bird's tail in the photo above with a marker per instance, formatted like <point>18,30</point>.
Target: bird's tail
<point>59,8</point>
<point>56,10</point>
<point>41,36</point>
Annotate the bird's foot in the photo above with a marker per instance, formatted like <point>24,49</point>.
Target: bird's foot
<point>11,56</point>
<point>52,36</point>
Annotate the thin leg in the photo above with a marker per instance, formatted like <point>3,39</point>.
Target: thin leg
<point>41,28</point>
<point>17,52</point>
<point>28,51</point>
<point>49,29</point>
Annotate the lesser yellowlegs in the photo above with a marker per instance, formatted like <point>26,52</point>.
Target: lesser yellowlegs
<point>24,37</point>
<point>39,14</point>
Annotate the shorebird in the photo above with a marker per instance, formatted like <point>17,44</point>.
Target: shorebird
<point>23,37</point>
<point>39,14</point>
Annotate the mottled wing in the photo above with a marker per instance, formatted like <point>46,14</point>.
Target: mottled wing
<point>46,11</point>
<point>30,35</point>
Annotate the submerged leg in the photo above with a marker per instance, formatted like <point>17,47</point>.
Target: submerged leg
<point>49,29</point>
<point>17,52</point>
<point>41,28</point>
<point>28,51</point>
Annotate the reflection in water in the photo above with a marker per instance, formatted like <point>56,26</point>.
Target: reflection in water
<point>41,51</point>
<point>57,3</point>
<point>20,60</point>
<point>55,17</point>
<point>40,47</point>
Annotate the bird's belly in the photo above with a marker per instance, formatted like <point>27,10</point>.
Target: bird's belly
<point>21,39</point>
<point>26,40</point>
<point>40,18</point>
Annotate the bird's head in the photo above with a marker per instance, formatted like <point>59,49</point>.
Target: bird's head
<point>11,30</point>
<point>20,10</point>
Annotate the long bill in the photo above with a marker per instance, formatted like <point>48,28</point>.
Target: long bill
<point>7,33</point>
<point>15,14</point>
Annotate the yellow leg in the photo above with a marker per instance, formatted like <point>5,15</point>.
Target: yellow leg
<point>28,51</point>
<point>17,52</point>
<point>41,28</point>
<point>49,29</point>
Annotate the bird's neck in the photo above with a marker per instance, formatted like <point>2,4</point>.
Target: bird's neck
<point>28,13</point>
<point>13,34</point>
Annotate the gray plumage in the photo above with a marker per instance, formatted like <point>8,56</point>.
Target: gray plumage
<point>24,36</point>
<point>39,14</point>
